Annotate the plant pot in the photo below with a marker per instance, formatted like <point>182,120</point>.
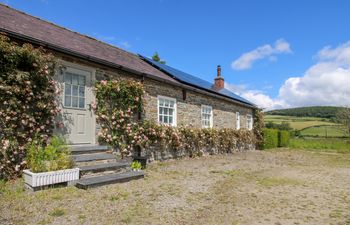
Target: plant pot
<point>35,180</point>
<point>142,160</point>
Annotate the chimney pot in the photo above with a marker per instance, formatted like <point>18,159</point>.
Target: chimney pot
<point>218,71</point>
<point>219,81</point>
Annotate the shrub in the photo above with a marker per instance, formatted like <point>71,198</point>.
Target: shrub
<point>270,138</point>
<point>51,157</point>
<point>28,102</point>
<point>283,138</point>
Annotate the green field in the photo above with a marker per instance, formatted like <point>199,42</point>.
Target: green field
<point>321,144</point>
<point>299,123</point>
<point>325,131</point>
<point>310,126</point>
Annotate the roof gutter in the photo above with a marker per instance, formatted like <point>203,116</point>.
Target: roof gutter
<point>117,66</point>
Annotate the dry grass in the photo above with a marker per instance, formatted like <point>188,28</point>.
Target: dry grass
<point>274,187</point>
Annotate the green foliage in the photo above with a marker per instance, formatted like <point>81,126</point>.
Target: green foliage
<point>312,111</point>
<point>283,138</point>
<point>28,102</point>
<point>51,157</point>
<point>343,117</point>
<point>270,138</point>
<point>281,126</point>
<point>156,58</point>
<point>136,165</point>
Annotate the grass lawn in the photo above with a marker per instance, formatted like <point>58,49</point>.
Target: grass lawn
<point>257,187</point>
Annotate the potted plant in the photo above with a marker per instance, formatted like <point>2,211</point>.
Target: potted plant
<point>137,157</point>
<point>49,164</point>
<point>136,166</point>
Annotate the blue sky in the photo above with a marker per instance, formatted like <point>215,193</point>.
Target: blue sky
<point>272,52</point>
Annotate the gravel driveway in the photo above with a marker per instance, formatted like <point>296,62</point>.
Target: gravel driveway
<point>255,187</point>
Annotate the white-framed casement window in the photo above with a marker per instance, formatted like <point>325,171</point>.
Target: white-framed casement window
<point>238,121</point>
<point>249,122</point>
<point>207,116</point>
<point>166,110</point>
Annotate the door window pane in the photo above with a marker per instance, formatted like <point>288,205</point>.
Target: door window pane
<point>74,91</point>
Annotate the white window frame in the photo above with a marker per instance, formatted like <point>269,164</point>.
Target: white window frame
<point>211,116</point>
<point>250,122</point>
<point>159,97</point>
<point>78,73</point>
<point>238,121</point>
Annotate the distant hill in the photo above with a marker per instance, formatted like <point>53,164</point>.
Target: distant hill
<point>312,111</point>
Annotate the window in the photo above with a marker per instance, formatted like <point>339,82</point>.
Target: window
<point>167,110</point>
<point>249,122</point>
<point>207,116</point>
<point>74,90</point>
<point>238,121</point>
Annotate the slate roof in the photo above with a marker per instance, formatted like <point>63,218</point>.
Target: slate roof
<point>194,81</point>
<point>13,21</point>
<point>29,28</point>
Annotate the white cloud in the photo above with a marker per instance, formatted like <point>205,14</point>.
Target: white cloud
<point>255,96</point>
<point>327,82</point>
<point>246,60</point>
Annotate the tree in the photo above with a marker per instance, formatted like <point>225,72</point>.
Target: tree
<point>156,58</point>
<point>343,116</point>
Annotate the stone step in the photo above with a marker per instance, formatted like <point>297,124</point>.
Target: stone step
<point>92,182</point>
<point>92,157</point>
<point>87,149</point>
<point>103,167</point>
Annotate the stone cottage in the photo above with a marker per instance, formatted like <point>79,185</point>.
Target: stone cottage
<point>172,96</point>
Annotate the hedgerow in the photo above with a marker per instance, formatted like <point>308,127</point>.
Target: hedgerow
<point>283,138</point>
<point>270,138</point>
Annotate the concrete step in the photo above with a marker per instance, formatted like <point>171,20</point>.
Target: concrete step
<point>103,167</point>
<point>93,157</point>
<point>87,149</point>
<point>92,182</point>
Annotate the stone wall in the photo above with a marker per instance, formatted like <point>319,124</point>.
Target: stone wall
<point>160,153</point>
<point>189,110</point>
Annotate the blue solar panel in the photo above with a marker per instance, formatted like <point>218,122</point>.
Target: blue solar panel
<point>193,80</point>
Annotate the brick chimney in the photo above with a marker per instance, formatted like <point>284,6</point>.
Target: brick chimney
<point>219,81</point>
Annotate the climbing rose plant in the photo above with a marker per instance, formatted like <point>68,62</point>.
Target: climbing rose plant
<point>118,102</point>
<point>258,127</point>
<point>28,102</point>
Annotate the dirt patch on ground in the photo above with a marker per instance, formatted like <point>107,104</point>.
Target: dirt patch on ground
<point>257,187</point>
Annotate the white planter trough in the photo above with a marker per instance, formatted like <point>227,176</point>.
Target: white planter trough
<point>37,180</point>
